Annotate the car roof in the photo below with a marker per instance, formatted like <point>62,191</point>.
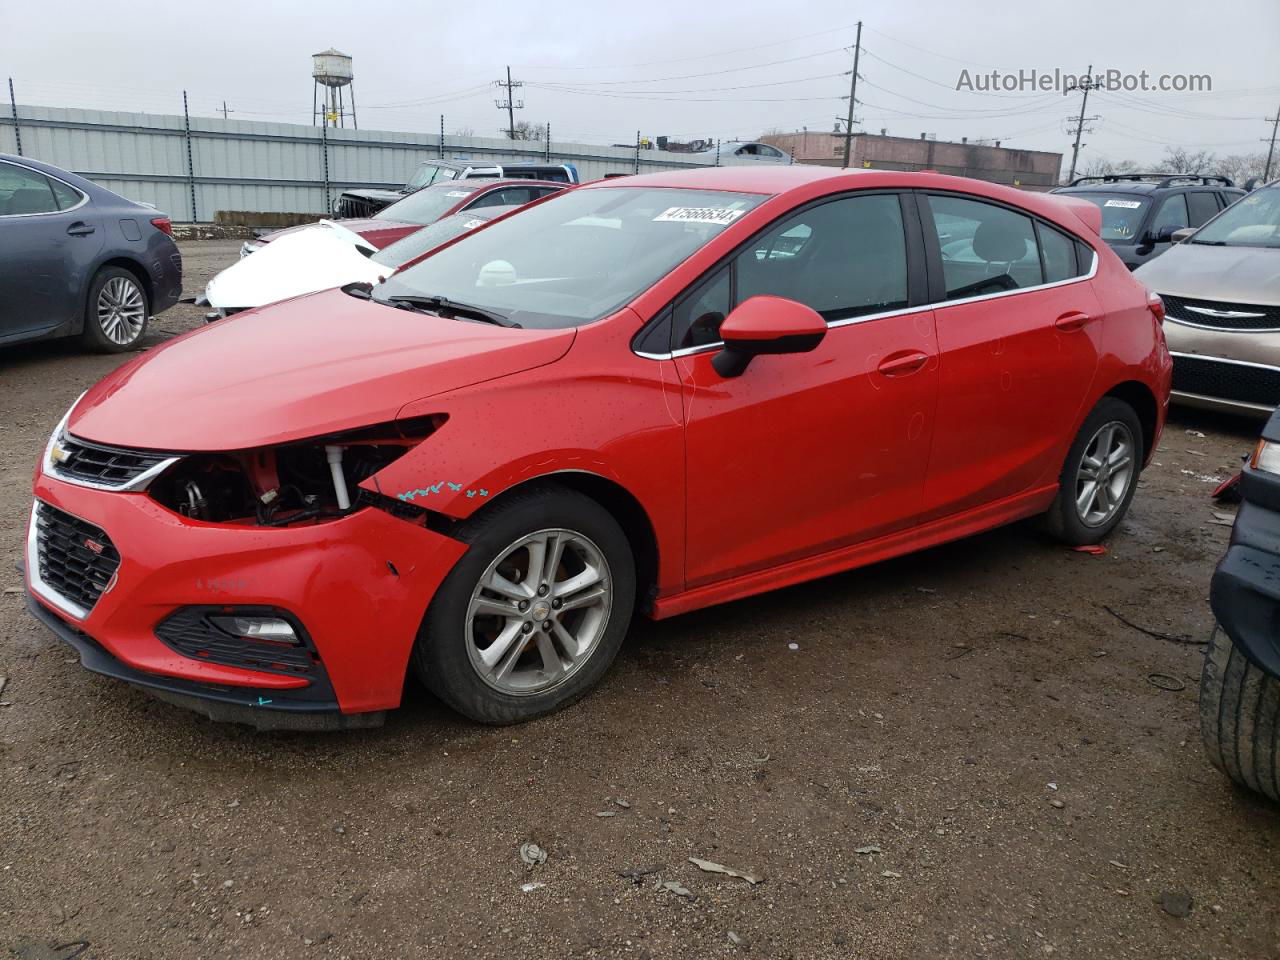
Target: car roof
<point>476,184</point>
<point>803,182</point>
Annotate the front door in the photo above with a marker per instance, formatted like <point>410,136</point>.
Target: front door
<point>809,452</point>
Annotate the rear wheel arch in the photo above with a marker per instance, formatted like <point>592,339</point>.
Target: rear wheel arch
<point>618,501</point>
<point>1139,396</point>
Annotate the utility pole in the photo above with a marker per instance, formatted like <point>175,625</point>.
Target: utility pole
<point>853,93</point>
<point>1271,150</point>
<point>225,111</point>
<point>1086,85</point>
<point>510,104</point>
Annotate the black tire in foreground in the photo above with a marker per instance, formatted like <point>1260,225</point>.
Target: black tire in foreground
<point>532,615</point>
<point>1240,717</point>
<point>1083,514</point>
<point>116,312</point>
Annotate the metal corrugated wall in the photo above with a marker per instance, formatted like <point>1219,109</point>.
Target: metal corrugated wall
<point>268,167</point>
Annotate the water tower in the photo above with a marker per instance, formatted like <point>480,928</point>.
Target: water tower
<point>331,72</point>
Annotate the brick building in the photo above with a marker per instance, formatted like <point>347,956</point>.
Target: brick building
<point>1029,169</point>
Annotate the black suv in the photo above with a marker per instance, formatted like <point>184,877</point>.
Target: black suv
<point>1141,211</point>
<point>361,203</point>
<point>1240,685</point>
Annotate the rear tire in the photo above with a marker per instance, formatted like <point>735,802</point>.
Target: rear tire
<point>1083,513</point>
<point>116,313</point>
<point>566,592</point>
<point>1240,717</point>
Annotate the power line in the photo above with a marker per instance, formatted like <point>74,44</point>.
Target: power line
<point>709,73</point>
<point>702,56</point>
<point>1275,124</point>
<point>741,86</point>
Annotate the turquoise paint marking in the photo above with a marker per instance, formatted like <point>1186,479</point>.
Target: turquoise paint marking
<point>262,703</point>
<point>410,495</point>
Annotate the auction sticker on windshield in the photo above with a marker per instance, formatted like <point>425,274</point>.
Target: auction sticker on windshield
<point>1126,204</point>
<point>721,215</point>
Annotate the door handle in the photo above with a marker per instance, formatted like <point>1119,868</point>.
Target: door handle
<point>1072,320</point>
<point>79,229</point>
<point>901,365</point>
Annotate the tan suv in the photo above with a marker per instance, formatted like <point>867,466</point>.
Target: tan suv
<point>1221,290</point>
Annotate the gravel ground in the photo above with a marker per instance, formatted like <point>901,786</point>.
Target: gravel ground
<point>964,757</point>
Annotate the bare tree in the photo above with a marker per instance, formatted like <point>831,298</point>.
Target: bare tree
<point>1182,160</point>
<point>528,130</point>
<point>1241,167</point>
<point>1101,167</point>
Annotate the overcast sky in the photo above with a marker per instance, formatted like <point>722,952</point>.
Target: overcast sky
<point>598,72</point>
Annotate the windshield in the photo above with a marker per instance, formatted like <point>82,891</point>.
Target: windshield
<point>1252,221</point>
<point>428,238</point>
<point>425,206</point>
<point>576,257</point>
<point>1121,215</point>
<point>429,173</point>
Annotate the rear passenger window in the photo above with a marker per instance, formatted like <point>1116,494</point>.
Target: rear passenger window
<point>844,258</point>
<point>24,192</point>
<point>1202,206</point>
<point>67,197</point>
<point>985,249</point>
<point>1059,255</point>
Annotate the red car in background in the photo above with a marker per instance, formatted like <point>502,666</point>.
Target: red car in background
<point>428,205</point>
<point>646,395</point>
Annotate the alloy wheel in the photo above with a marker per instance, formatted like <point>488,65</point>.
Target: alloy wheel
<point>1106,471</point>
<point>538,612</point>
<point>122,311</point>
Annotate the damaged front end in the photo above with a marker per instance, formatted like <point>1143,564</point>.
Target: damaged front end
<point>306,482</point>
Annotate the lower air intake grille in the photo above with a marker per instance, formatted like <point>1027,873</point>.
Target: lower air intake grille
<point>1226,381</point>
<point>191,634</point>
<point>350,207</point>
<point>77,560</point>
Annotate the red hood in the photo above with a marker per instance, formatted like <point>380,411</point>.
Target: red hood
<point>380,233</point>
<point>298,369</point>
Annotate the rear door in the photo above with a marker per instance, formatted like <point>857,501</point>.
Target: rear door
<point>1202,205</point>
<point>48,240</point>
<point>809,452</point>
<point>1019,335</point>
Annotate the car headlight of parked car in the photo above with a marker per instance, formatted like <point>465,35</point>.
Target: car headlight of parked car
<point>250,246</point>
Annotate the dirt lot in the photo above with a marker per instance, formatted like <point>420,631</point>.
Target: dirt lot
<point>964,757</point>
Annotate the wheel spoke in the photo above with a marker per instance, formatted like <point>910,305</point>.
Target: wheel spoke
<point>566,589</point>
<point>533,575</point>
<point>496,608</point>
<point>1119,459</point>
<point>586,598</point>
<point>1104,497</point>
<point>551,559</point>
<point>501,655</point>
<point>1089,468</point>
<point>1085,499</point>
<point>552,665</point>
<point>501,585</point>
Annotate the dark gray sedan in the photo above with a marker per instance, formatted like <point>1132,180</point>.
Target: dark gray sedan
<point>78,260</point>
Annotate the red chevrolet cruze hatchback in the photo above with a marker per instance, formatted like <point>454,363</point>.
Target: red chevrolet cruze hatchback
<point>650,395</point>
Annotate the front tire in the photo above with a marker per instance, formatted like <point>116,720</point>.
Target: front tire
<point>532,615</point>
<point>1099,476</point>
<point>1240,717</point>
<point>116,313</point>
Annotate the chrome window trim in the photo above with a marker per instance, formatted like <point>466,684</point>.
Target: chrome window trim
<point>84,197</point>
<point>1238,363</point>
<point>1219,329</point>
<point>38,586</point>
<point>921,308</point>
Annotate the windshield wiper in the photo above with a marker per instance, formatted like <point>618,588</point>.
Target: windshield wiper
<point>446,307</point>
<point>1210,243</point>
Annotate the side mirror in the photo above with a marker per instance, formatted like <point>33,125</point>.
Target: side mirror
<point>1180,235</point>
<point>763,325</point>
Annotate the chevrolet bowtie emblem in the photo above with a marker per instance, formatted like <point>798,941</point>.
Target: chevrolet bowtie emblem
<point>58,453</point>
<point>1224,314</point>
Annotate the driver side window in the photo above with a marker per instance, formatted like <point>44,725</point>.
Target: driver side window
<point>1172,213</point>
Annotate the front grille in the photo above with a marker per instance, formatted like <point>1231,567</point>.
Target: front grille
<point>109,466</point>
<point>1226,381</point>
<point>352,207</point>
<point>1265,317</point>
<point>190,633</point>
<point>77,560</point>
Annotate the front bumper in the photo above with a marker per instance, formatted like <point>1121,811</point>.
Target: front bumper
<point>359,585</point>
<point>1245,593</point>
